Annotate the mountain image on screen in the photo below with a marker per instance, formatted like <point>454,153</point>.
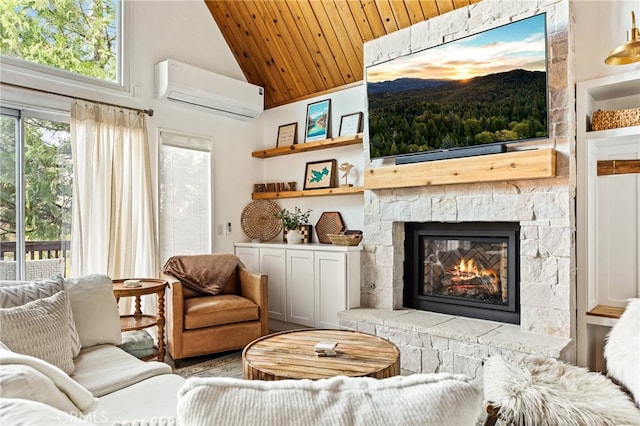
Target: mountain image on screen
<point>414,115</point>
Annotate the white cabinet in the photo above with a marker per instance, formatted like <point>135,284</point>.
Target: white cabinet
<point>308,283</point>
<point>608,214</point>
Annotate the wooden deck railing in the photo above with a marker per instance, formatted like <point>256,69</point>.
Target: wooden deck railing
<point>37,250</point>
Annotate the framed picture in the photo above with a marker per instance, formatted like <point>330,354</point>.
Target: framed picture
<point>320,174</point>
<point>318,120</point>
<point>287,134</point>
<point>350,124</point>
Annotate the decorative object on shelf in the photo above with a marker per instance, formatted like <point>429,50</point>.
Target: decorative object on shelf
<point>318,120</point>
<point>292,186</point>
<point>259,187</point>
<point>345,168</point>
<point>345,240</point>
<point>287,135</point>
<point>329,223</point>
<point>629,52</point>
<point>305,230</point>
<point>604,120</point>
<point>320,174</point>
<point>292,221</point>
<point>258,220</point>
<point>350,124</point>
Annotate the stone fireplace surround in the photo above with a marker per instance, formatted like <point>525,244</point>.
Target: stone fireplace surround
<point>544,208</point>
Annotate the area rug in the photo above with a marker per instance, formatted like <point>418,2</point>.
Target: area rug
<point>225,365</point>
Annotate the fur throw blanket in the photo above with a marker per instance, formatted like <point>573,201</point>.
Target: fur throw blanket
<point>539,391</point>
<point>204,273</point>
<point>622,350</point>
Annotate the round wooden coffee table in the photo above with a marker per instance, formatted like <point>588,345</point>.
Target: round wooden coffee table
<point>291,355</point>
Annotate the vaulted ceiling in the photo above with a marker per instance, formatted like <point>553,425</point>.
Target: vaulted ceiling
<point>296,49</point>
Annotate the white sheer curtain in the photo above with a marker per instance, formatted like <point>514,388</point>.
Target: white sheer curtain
<point>114,222</point>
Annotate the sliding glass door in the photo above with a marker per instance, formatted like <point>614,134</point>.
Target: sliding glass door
<point>36,187</point>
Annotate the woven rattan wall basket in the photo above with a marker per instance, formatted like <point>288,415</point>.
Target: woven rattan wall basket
<point>604,120</point>
<point>259,222</point>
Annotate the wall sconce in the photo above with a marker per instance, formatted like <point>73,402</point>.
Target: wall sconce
<point>629,52</point>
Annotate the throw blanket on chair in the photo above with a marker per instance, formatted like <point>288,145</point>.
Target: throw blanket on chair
<point>204,273</point>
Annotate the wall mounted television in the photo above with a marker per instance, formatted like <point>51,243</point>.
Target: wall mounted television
<point>470,96</point>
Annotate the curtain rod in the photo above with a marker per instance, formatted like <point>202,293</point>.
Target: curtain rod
<point>149,112</point>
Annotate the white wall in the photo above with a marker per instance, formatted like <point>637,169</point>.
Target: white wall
<point>292,167</point>
<point>599,27</point>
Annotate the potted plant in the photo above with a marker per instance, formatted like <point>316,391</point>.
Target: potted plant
<point>291,222</point>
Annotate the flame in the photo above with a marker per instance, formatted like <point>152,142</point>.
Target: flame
<point>469,269</point>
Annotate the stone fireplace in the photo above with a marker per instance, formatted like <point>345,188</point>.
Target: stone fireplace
<point>542,210</point>
<point>468,269</point>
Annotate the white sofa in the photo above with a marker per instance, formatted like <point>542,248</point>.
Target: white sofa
<point>104,385</point>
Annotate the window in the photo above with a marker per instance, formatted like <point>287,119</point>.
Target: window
<point>186,195</point>
<point>79,36</point>
<point>36,186</point>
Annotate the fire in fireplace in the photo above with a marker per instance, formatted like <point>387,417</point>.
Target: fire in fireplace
<point>467,269</point>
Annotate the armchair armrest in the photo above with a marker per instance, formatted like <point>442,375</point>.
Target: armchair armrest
<point>174,314</point>
<point>254,287</point>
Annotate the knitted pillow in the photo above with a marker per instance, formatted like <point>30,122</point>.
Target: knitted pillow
<point>17,293</point>
<point>40,329</point>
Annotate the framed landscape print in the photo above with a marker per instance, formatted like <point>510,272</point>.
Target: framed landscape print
<point>287,134</point>
<point>318,120</point>
<point>320,174</point>
<point>350,124</point>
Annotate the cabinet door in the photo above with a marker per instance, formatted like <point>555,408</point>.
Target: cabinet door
<point>272,263</point>
<point>250,256</point>
<point>330,276</point>
<point>300,287</point>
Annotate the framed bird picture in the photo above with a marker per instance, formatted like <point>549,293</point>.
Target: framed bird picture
<point>320,174</point>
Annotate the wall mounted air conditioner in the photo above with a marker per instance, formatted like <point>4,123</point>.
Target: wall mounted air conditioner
<point>190,85</point>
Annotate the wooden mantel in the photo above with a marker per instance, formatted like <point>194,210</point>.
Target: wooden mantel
<point>530,164</point>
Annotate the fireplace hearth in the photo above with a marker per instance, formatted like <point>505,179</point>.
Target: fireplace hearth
<point>466,269</point>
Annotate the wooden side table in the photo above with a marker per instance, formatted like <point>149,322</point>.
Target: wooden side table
<point>291,355</point>
<point>138,320</point>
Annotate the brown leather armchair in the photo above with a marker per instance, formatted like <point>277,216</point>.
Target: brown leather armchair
<point>199,324</point>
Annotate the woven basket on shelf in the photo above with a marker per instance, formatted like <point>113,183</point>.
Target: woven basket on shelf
<point>603,120</point>
<point>345,240</point>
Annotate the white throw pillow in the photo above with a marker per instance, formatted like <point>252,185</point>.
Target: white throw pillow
<point>17,293</point>
<point>95,310</point>
<point>40,329</point>
<point>25,382</point>
<point>419,399</point>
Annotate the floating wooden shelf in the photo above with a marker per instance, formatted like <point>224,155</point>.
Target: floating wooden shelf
<point>307,193</point>
<point>606,311</point>
<point>532,164</point>
<point>308,146</point>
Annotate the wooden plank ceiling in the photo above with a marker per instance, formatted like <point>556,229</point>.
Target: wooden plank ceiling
<point>296,49</point>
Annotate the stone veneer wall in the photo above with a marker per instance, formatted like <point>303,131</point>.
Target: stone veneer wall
<point>544,208</point>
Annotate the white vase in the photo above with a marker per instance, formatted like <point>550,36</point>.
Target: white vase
<point>294,236</point>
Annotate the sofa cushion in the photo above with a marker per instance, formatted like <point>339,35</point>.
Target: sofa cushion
<point>25,382</point>
<point>209,311</point>
<point>103,369</point>
<point>81,398</point>
<point>155,397</point>
<point>16,293</point>
<point>15,411</point>
<point>40,329</point>
<point>95,310</point>
<point>419,399</point>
